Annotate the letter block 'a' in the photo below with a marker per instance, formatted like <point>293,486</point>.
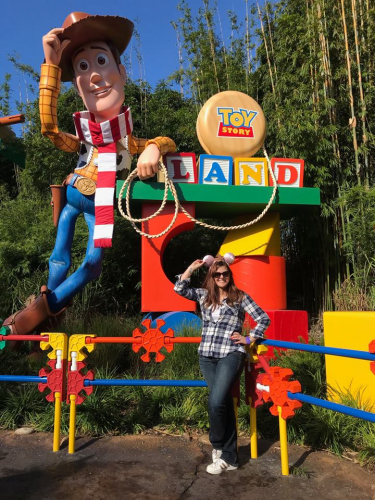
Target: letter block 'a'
<point>288,172</point>
<point>250,172</point>
<point>215,170</point>
<point>181,167</point>
<point>158,294</point>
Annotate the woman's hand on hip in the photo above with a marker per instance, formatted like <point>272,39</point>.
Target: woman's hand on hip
<point>240,339</point>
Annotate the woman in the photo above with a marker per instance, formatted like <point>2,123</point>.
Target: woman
<point>221,355</point>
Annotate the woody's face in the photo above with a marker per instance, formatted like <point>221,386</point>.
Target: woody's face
<point>99,80</point>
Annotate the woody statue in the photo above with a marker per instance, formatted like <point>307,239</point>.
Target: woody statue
<point>86,51</point>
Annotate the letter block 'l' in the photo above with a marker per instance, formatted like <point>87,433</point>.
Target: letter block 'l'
<point>181,167</point>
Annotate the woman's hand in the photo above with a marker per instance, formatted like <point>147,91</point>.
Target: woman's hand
<point>193,267</point>
<point>240,339</point>
<point>196,265</point>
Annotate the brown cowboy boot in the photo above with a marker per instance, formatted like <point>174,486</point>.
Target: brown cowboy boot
<point>25,321</point>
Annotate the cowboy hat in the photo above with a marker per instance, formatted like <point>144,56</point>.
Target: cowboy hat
<point>81,28</point>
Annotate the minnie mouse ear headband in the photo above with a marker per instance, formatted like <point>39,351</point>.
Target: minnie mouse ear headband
<point>209,260</point>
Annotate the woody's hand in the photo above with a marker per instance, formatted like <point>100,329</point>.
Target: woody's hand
<point>148,162</point>
<point>52,46</point>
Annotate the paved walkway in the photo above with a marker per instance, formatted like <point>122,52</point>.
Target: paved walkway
<point>160,467</point>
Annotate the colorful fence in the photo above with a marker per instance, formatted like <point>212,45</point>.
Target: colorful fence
<point>66,379</point>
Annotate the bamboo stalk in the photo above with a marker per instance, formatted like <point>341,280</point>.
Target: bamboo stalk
<point>311,67</point>
<point>179,57</point>
<point>247,45</point>
<point>342,216</point>
<point>270,72</point>
<point>370,61</point>
<point>224,48</point>
<point>351,98</point>
<point>271,39</point>
<point>267,53</point>
<point>328,87</point>
<point>361,94</point>
<point>212,45</point>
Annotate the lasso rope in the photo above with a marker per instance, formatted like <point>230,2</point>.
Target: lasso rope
<point>169,185</point>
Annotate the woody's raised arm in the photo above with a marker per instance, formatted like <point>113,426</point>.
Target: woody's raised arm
<point>49,86</point>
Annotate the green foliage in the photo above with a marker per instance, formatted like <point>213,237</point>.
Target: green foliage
<point>25,244</point>
<point>21,406</point>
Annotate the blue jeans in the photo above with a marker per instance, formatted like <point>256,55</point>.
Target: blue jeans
<point>63,289</point>
<point>220,375</point>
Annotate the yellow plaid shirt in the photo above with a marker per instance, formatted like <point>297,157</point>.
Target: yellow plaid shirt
<point>49,86</point>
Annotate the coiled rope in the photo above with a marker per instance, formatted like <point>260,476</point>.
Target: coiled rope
<point>169,185</point>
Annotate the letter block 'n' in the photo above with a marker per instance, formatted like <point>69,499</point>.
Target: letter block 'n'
<point>250,172</point>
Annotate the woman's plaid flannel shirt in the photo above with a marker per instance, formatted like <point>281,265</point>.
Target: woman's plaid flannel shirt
<point>216,341</point>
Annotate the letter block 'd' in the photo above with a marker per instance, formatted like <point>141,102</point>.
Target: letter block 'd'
<point>181,167</point>
<point>288,172</point>
<point>250,172</point>
<point>217,170</point>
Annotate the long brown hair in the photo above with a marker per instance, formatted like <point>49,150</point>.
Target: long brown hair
<point>213,296</point>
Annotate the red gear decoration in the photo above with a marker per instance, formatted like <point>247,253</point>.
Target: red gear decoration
<point>152,340</point>
<point>76,382</point>
<point>55,380</point>
<point>279,386</point>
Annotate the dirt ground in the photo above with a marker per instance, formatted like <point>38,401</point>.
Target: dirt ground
<point>161,467</point>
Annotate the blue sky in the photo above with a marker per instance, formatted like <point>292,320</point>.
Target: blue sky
<point>29,20</point>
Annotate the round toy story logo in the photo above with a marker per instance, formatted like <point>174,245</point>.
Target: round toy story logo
<point>231,123</point>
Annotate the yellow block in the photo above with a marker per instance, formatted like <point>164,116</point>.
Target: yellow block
<point>263,238</point>
<point>77,343</point>
<point>58,341</point>
<point>250,172</point>
<point>350,330</point>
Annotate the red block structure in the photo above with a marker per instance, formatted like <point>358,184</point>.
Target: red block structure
<point>290,326</point>
<point>157,290</point>
<point>263,278</point>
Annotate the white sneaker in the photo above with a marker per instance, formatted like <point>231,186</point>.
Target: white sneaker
<point>216,454</point>
<point>219,466</point>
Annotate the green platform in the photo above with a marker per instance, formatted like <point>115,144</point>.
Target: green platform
<point>226,201</point>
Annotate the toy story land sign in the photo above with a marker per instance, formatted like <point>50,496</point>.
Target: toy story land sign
<point>231,128</point>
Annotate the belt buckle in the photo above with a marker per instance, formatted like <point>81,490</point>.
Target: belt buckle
<point>85,185</point>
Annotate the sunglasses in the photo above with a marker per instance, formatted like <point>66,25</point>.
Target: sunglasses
<point>225,274</point>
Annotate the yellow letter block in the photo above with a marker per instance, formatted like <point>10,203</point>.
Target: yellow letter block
<point>262,238</point>
<point>250,172</point>
<point>350,330</point>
